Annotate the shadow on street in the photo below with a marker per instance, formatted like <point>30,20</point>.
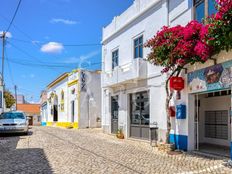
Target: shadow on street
<point>13,160</point>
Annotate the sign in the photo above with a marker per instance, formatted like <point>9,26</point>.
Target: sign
<point>215,77</point>
<point>176,83</point>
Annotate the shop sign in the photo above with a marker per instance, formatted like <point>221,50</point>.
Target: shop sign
<point>215,77</point>
<point>176,83</point>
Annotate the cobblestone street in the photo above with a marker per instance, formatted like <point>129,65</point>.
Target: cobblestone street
<point>56,150</point>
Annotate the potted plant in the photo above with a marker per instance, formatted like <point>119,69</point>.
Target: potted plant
<point>120,134</point>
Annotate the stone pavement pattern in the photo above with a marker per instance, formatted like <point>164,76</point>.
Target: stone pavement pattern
<point>56,150</point>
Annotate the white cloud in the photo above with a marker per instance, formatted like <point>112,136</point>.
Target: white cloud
<point>52,47</point>
<point>64,21</point>
<point>8,34</point>
<point>82,58</point>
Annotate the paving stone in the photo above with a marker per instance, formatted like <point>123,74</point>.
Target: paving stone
<point>61,151</point>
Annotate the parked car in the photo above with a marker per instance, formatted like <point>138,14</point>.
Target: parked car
<point>13,122</point>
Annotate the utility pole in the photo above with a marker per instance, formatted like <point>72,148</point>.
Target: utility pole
<point>15,87</point>
<point>3,54</point>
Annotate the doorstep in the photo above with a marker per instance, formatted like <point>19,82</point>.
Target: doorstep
<point>211,155</point>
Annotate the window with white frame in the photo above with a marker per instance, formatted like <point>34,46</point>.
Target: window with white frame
<point>204,8</point>
<point>114,59</point>
<point>138,47</point>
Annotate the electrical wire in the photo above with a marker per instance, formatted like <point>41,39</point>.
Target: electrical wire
<point>67,45</point>
<point>15,13</point>
<point>30,64</point>
<point>10,70</point>
<point>43,64</point>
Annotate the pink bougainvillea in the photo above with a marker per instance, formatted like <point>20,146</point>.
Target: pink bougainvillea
<point>219,35</point>
<point>175,47</point>
<point>178,46</point>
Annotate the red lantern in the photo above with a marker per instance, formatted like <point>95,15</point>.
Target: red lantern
<point>172,112</point>
<point>176,83</point>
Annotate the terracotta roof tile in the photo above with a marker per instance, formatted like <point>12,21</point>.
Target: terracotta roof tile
<point>29,108</point>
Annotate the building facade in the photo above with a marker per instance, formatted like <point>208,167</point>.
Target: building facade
<point>73,100</point>
<point>133,90</point>
<point>21,99</point>
<point>32,111</point>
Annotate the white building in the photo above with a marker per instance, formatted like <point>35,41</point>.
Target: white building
<point>74,100</point>
<point>133,94</point>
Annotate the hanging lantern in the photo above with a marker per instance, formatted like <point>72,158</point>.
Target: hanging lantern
<point>176,83</point>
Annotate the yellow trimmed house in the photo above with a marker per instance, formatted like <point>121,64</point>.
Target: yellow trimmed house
<point>74,100</point>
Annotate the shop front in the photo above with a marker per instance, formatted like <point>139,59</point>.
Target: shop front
<point>209,97</point>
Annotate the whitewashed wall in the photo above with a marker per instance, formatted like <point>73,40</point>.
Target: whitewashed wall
<point>62,116</point>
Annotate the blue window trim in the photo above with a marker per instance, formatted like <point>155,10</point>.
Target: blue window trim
<point>138,47</point>
<point>208,12</point>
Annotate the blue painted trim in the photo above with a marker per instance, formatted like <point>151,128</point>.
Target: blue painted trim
<point>180,141</point>
<point>230,150</point>
<point>43,124</point>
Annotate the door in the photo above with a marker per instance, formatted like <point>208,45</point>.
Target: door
<point>140,115</point>
<point>31,120</point>
<point>72,110</point>
<point>55,116</point>
<point>114,114</point>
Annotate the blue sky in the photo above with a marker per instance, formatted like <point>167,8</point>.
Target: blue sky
<point>40,35</point>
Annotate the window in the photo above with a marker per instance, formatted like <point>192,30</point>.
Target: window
<point>201,11</point>
<point>140,108</point>
<point>62,101</point>
<point>139,115</point>
<point>62,95</point>
<point>114,59</point>
<point>138,47</point>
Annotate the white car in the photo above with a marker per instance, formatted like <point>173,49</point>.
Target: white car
<point>14,122</point>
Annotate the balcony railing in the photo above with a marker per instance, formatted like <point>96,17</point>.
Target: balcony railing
<point>135,70</point>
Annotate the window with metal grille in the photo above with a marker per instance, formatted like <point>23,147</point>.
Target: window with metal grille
<point>138,47</point>
<point>216,124</point>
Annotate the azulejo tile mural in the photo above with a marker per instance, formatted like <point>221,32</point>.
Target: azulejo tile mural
<point>211,78</point>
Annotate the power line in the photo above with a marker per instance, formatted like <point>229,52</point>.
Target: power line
<point>26,35</point>
<point>46,64</point>
<point>30,41</point>
<point>15,13</point>
<point>30,64</point>
<point>9,68</point>
<point>67,45</point>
